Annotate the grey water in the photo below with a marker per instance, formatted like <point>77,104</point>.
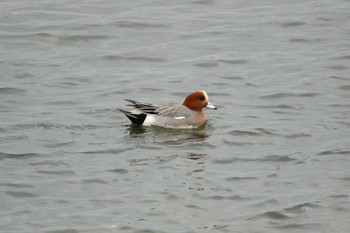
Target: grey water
<point>274,157</point>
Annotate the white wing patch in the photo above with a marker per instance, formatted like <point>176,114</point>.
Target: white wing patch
<point>179,118</point>
<point>150,120</point>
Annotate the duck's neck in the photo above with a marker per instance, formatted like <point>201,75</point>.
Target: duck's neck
<point>199,117</point>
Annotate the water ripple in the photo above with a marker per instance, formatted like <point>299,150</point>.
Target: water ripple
<point>269,158</point>
<point>344,87</point>
<point>335,152</point>
<point>273,215</point>
<point>239,178</point>
<point>344,57</point>
<point>66,230</point>
<point>300,40</point>
<point>233,62</point>
<point>94,181</point>
<point>297,135</point>
<point>107,151</point>
<point>18,155</point>
<point>81,38</point>
<point>133,58</point>
<point>290,24</point>
<point>243,133</point>
<point>336,67</point>
<point>206,64</point>
<point>138,25</point>
<point>286,95</point>
<point>295,226</point>
<point>120,171</point>
<point>11,91</point>
<point>282,106</point>
<point>59,173</point>
<point>20,194</point>
<point>301,208</point>
<point>17,185</point>
<point>49,126</point>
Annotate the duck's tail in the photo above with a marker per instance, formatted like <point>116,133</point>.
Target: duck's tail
<point>135,118</point>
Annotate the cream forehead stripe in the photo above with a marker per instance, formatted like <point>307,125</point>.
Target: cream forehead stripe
<point>205,96</point>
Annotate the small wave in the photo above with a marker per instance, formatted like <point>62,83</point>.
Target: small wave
<point>264,203</point>
<point>49,126</point>
<point>232,77</point>
<point>81,38</point>
<point>290,24</point>
<point>300,40</point>
<point>119,171</point>
<point>18,155</point>
<point>286,95</point>
<point>345,88</point>
<point>134,58</point>
<point>148,161</point>
<point>266,131</point>
<point>237,198</point>
<point>335,152</point>
<point>234,62</point>
<point>215,197</point>
<point>172,197</point>
<point>345,57</point>
<point>63,172</point>
<point>94,181</point>
<point>232,198</point>
<point>301,207</point>
<point>107,151</point>
<point>137,25</point>
<point>341,196</point>
<point>239,178</point>
<point>276,158</point>
<point>297,135</point>
<point>339,78</point>
<point>269,158</point>
<point>275,215</point>
<point>36,35</point>
<point>20,194</point>
<point>298,226</point>
<point>60,144</point>
<point>336,67</point>
<point>62,102</point>
<point>205,2</point>
<point>194,207</point>
<point>277,96</point>
<point>17,185</point>
<point>196,156</point>
<point>11,90</point>
<point>282,106</point>
<point>66,230</point>
<point>207,64</point>
<point>243,133</point>
<point>229,161</point>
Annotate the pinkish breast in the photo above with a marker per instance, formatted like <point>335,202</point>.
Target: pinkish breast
<point>199,118</point>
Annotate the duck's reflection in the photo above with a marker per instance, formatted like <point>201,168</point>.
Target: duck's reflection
<point>165,136</point>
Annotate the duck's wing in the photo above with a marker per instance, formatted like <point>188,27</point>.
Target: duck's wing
<point>173,110</point>
<point>143,107</point>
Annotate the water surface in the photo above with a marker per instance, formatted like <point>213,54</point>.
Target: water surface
<point>274,157</point>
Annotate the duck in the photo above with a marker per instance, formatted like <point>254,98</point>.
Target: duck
<point>189,114</point>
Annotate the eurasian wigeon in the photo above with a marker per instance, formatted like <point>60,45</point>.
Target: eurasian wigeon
<point>187,115</point>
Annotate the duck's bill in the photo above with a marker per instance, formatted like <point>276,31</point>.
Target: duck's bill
<point>209,105</point>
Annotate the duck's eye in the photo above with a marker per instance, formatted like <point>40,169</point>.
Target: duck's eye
<point>202,98</point>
